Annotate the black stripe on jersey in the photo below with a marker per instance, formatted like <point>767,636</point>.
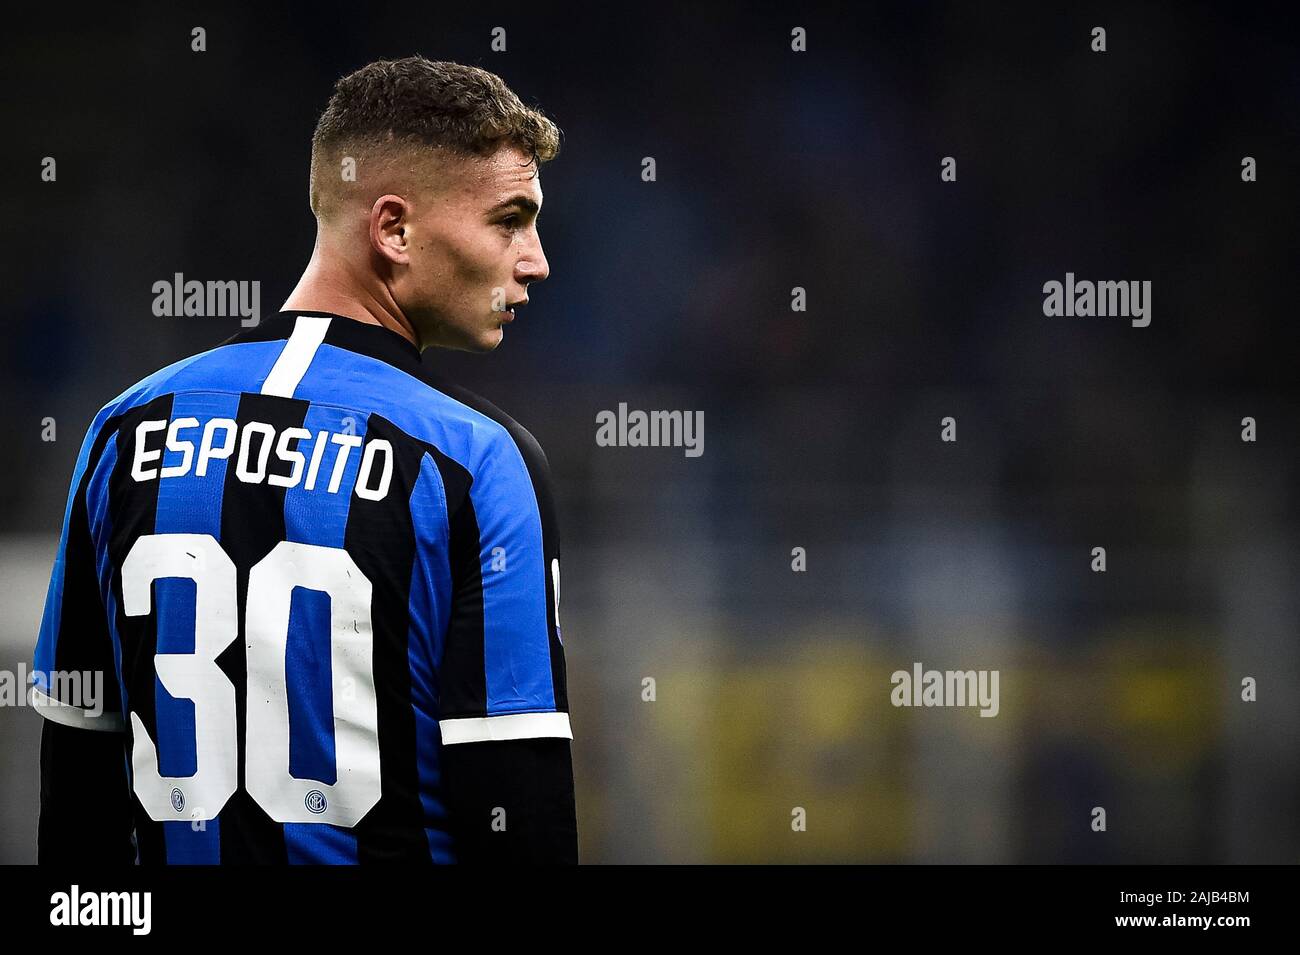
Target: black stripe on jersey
<point>381,540</point>
<point>134,510</point>
<point>462,682</point>
<point>539,472</point>
<point>252,524</point>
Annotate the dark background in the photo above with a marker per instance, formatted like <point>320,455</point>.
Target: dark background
<point>779,169</point>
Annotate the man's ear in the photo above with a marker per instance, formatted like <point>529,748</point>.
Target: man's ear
<point>388,233</point>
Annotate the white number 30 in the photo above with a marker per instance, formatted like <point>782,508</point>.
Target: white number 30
<point>196,676</point>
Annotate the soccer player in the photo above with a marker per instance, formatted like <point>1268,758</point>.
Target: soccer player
<point>323,586</point>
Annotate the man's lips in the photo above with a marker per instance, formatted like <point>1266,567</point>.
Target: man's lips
<point>509,314</point>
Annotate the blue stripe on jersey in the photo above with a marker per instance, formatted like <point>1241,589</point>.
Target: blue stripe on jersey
<point>309,675</point>
<point>516,643</point>
<point>430,575</point>
<point>186,505</point>
<point>101,524</point>
<point>431,570</point>
<point>175,611</point>
<point>317,517</point>
<point>316,843</point>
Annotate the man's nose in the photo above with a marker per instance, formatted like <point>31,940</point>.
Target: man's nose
<point>533,267</point>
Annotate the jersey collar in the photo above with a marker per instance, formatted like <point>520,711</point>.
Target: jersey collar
<point>374,341</point>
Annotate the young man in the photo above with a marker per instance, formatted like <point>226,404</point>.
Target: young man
<point>322,590</point>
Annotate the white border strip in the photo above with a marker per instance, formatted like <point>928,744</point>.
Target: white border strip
<point>286,373</point>
<point>480,729</point>
<point>69,715</point>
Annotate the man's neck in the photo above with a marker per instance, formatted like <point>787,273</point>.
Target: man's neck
<point>327,286</point>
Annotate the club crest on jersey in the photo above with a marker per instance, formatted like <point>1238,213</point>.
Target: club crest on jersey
<point>251,446</point>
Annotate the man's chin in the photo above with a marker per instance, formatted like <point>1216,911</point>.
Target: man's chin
<point>490,339</point>
<point>486,341</point>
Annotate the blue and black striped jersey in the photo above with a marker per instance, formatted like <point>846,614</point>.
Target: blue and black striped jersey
<point>304,566</point>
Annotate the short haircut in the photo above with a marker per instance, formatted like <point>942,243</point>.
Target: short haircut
<point>391,106</point>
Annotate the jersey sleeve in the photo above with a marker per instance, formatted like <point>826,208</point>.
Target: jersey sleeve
<point>502,674</point>
<point>74,674</point>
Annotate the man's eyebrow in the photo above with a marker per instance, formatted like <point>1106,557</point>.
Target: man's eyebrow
<point>523,202</point>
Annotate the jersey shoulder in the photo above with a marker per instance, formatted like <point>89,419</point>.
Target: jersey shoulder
<point>230,367</point>
<point>511,456</point>
<point>509,429</point>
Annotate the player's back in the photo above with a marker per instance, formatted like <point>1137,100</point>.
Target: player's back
<point>305,569</point>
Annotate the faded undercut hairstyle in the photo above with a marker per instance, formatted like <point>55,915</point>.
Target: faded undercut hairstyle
<point>393,106</point>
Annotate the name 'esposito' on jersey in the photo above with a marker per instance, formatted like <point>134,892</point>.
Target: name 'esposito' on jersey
<point>252,445</point>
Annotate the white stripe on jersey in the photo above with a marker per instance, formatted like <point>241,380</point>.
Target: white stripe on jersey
<point>479,729</point>
<point>69,715</point>
<point>308,333</point>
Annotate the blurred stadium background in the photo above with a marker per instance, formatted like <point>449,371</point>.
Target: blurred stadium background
<point>779,169</point>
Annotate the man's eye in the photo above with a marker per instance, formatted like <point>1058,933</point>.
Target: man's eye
<point>510,221</point>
